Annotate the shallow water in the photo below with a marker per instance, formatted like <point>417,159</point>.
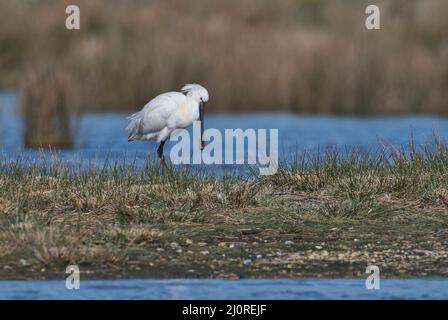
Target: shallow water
<point>227,289</point>
<point>101,135</point>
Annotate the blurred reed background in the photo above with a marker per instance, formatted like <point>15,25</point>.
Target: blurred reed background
<point>313,56</point>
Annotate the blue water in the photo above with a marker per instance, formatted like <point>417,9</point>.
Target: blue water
<point>227,289</point>
<point>101,135</point>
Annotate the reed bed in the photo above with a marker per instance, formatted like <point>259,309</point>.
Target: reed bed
<point>48,104</point>
<point>253,55</point>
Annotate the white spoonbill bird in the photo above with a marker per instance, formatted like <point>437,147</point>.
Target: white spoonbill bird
<point>168,112</point>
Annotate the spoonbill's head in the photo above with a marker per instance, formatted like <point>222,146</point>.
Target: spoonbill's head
<point>199,94</point>
<point>195,91</point>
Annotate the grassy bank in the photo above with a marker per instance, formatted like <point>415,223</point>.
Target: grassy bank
<point>325,216</point>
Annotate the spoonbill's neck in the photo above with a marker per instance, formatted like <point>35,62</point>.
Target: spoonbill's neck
<point>193,104</point>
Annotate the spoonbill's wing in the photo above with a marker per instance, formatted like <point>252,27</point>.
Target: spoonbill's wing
<point>154,116</point>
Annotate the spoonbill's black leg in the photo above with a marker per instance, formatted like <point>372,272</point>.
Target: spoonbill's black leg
<point>160,152</point>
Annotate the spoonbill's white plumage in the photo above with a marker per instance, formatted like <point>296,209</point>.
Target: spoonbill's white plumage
<point>168,112</point>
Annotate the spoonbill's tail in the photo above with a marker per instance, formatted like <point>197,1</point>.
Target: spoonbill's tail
<point>134,126</point>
